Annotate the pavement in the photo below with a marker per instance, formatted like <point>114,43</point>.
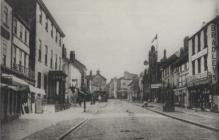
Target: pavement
<point>209,120</point>
<point>30,124</point>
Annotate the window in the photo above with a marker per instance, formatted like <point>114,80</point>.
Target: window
<point>46,24</point>
<point>39,80</point>
<point>4,59</point>
<point>25,62</point>
<point>56,37</point>
<point>199,65</point>
<point>39,51</point>
<point>56,63</point>
<point>45,82</point>
<point>14,59</point>
<point>21,31</point>
<point>206,62</point>
<point>41,16</point>
<point>25,36</point>
<point>193,45</point>
<point>15,25</point>
<point>199,42</point>
<point>205,38</point>
<point>60,41</point>
<point>51,59</point>
<point>46,54</point>
<point>51,30</point>
<point>60,62</point>
<point>5,16</point>
<point>193,67</point>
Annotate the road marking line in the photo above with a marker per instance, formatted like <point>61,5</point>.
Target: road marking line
<point>72,129</point>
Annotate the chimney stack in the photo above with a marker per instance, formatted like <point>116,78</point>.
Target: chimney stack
<point>98,71</point>
<point>164,54</point>
<point>72,55</point>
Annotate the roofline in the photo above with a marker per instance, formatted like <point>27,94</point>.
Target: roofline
<point>21,20</point>
<point>41,3</point>
<point>215,18</point>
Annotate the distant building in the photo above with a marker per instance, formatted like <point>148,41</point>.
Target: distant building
<point>141,84</point>
<point>75,79</point>
<point>154,75</point>
<point>134,90</point>
<point>123,84</point>
<point>202,80</point>
<point>97,86</point>
<point>113,88</point>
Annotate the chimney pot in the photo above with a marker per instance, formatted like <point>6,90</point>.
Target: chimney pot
<point>72,55</point>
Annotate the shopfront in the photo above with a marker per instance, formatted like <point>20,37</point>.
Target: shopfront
<point>181,97</point>
<point>201,91</point>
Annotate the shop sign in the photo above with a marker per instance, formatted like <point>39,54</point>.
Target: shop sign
<point>214,52</point>
<point>199,79</point>
<point>155,85</point>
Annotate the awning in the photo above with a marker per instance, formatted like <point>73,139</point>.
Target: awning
<point>21,84</point>
<point>36,90</point>
<point>14,80</point>
<point>14,88</point>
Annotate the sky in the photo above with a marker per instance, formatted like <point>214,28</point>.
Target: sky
<point>115,35</point>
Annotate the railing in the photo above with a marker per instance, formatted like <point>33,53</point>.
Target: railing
<point>23,70</point>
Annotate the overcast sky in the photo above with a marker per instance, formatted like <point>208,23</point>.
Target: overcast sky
<point>115,35</point>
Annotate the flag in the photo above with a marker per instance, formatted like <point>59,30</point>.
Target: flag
<point>155,38</point>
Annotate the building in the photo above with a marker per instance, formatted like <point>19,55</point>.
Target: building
<point>141,85</point>
<point>97,86</point>
<point>123,84</point>
<point>113,88</point>
<point>75,80</point>
<point>181,72</point>
<point>134,90</point>
<point>17,79</point>
<point>154,75</point>
<point>146,85</point>
<point>202,78</point>
<point>46,41</point>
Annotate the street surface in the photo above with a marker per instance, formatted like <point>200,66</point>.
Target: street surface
<point>120,120</point>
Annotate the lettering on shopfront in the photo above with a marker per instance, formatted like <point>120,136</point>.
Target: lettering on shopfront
<point>214,53</point>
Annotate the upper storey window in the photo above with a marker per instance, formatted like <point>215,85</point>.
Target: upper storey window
<point>5,15</point>
<point>41,17</point>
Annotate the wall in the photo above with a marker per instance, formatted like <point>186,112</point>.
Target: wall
<point>54,48</point>
<point>7,27</point>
